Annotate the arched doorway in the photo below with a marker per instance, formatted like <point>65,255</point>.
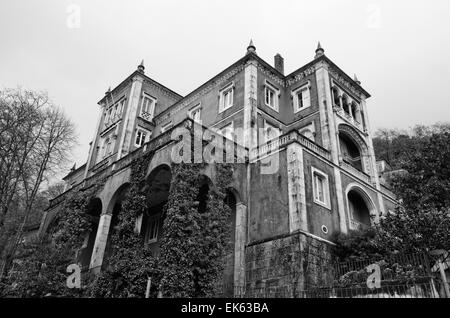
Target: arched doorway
<point>157,191</point>
<point>360,208</point>
<point>94,210</point>
<point>115,207</point>
<point>228,275</point>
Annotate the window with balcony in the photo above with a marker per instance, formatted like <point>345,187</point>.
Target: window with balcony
<point>321,190</point>
<point>350,151</point>
<point>358,209</point>
<point>226,97</point>
<point>301,98</point>
<point>271,94</point>
<point>147,107</point>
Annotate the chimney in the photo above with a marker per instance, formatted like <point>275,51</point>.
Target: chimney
<point>279,63</point>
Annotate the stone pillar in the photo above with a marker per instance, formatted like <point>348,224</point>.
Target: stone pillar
<point>372,160</point>
<point>340,200</point>
<point>100,242</point>
<point>250,102</point>
<point>296,188</point>
<point>94,143</point>
<point>239,245</point>
<point>130,117</point>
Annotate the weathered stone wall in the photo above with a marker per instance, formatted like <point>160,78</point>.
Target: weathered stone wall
<point>287,265</point>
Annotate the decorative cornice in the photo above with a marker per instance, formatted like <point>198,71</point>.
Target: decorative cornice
<point>196,94</point>
<point>301,75</point>
<point>340,79</point>
<point>163,91</point>
<point>266,71</point>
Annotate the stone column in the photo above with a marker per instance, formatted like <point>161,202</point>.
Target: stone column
<point>94,142</point>
<point>100,242</point>
<point>250,102</point>
<point>296,188</point>
<point>130,117</point>
<point>239,245</point>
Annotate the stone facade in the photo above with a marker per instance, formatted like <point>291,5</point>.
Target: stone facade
<point>309,169</point>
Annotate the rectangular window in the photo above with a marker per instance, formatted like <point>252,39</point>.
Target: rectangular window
<point>301,98</point>
<point>320,188</point>
<point>270,132</point>
<point>226,97</point>
<point>166,127</point>
<point>271,94</point>
<point>196,113</point>
<point>228,131</point>
<point>107,147</point>
<point>151,235</point>
<point>141,137</point>
<point>148,107</point>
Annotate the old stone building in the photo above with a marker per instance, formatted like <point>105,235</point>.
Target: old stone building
<point>309,168</point>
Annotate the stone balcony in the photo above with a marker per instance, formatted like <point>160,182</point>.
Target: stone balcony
<point>349,119</point>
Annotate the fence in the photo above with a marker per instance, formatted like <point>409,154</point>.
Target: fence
<point>397,276</point>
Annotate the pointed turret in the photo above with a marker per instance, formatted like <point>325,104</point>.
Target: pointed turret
<point>251,47</point>
<point>141,67</point>
<point>319,50</point>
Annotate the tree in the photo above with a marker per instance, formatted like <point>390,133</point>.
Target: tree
<point>422,222</point>
<point>35,142</point>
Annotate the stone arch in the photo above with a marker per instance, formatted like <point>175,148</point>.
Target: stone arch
<point>157,189</point>
<point>361,208</point>
<point>353,148</point>
<point>94,210</point>
<point>161,157</point>
<point>113,210</point>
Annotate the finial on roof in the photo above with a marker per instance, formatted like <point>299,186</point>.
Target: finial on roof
<point>141,67</point>
<point>74,167</point>
<point>251,47</point>
<point>108,91</point>
<point>319,50</point>
<point>357,81</point>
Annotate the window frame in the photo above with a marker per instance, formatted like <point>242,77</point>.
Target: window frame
<point>197,107</point>
<point>326,187</point>
<point>230,124</point>
<point>154,239</point>
<point>151,111</point>
<point>147,135</point>
<point>296,92</point>
<point>269,125</point>
<point>228,88</point>
<point>270,87</point>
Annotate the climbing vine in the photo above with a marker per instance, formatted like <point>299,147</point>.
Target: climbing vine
<point>195,241</point>
<point>40,269</point>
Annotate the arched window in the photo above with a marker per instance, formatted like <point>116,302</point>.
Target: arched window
<point>336,100</point>
<point>345,104</point>
<point>359,209</point>
<point>350,152</point>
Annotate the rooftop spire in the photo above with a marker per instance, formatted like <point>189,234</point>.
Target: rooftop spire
<point>108,91</point>
<point>357,81</point>
<point>319,50</point>
<point>251,47</point>
<point>141,67</point>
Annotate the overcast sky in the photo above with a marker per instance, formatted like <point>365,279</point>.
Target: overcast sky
<point>399,50</point>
